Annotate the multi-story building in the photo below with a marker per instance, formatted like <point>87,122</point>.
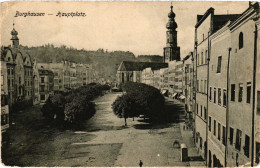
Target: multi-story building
<point>217,96</point>
<point>178,77</point>
<point>4,98</point>
<point>81,77</point>
<point>73,77</point>
<point>187,82</point>
<point>36,78</point>
<point>225,71</point>
<point>171,76</point>
<point>156,79</point>
<point>147,76</point>
<point>244,51</point>
<point>46,84</point>
<point>19,71</point>
<point>164,80</point>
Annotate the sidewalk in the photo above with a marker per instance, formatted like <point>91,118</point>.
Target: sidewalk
<point>197,160</point>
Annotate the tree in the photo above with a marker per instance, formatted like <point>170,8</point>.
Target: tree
<point>123,107</point>
<point>147,99</point>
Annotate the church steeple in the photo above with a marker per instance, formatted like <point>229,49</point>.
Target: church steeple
<point>15,39</point>
<point>171,51</point>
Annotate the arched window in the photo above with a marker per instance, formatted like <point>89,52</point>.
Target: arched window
<point>241,40</point>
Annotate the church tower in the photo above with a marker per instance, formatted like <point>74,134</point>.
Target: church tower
<point>15,39</point>
<point>171,51</point>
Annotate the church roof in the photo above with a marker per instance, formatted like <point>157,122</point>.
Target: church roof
<point>139,66</point>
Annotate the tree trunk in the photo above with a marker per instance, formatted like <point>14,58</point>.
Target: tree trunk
<point>125,122</point>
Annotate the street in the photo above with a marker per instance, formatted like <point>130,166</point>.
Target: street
<point>104,141</point>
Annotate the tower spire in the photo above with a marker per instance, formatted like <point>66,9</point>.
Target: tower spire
<point>171,51</point>
<point>15,39</point>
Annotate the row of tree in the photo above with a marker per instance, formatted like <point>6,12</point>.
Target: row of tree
<point>74,107</point>
<point>139,99</point>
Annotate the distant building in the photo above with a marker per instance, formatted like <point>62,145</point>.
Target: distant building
<point>36,78</point>
<point>69,75</point>
<point>73,77</point>
<point>187,82</point>
<point>46,84</point>
<point>132,71</point>
<point>164,80</point>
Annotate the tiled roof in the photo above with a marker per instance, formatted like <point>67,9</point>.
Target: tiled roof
<point>139,66</point>
<point>218,20</point>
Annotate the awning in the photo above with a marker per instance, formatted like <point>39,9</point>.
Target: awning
<point>164,91</point>
<point>174,94</point>
<point>182,97</point>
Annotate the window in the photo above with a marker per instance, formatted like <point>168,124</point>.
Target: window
<point>219,64</point>
<point>231,135</point>
<point>201,86</point>
<point>202,58</point>
<point>238,139</point>
<point>241,40</point>
<point>201,110</point>
<point>219,131</point>
<point>233,92</point>
<point>214,131</point>
<point>9,83</point>
<point>197,108</point>
<point>214,95</point>
<point>240,93</point>
<point>248,92</point>
<point>43,97</point>
<point>42,79</point>
<point>246,147</point>
<point>219,96</point>
<point>41,88</point>
<point>8,71</point>
<point>209,123</point>
<point>224,135</point>
<point>198,85</point>
<point>205,86</point>
<point>198,61</point>
<point>224,97</point>
<point>2,80</point>
<point>12,71</point>
<point>206,56</point>
<point>209,93</point>
<point>201,143</point>
<point>205,113</point>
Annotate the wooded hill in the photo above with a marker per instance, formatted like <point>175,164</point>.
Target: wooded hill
<point>104,62</point>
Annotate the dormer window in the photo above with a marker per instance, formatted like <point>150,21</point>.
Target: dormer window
<point>241,40</point>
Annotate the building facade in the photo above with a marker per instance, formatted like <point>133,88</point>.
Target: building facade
<point>19,72</point>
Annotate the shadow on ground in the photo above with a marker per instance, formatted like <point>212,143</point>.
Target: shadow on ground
<point>174,113</point>
<point>195,158</point>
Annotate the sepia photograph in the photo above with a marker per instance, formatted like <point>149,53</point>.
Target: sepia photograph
<point>130,83</point>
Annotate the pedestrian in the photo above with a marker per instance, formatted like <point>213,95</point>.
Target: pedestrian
<point>140,163</point>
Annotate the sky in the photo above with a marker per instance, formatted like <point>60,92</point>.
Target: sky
<point>138,27</point>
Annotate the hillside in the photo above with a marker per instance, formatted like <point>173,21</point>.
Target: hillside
<point>105,63</point>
